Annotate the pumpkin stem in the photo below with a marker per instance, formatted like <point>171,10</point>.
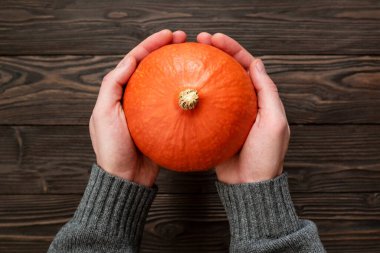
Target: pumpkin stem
<point>188,99</point>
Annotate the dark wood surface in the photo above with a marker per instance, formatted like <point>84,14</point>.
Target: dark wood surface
<point>264,27</point>
<point>323,55</point>
<point>54,160</point>
<point>194,222</point>
<point>56,90</point>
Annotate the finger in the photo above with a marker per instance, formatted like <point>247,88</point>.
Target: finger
<point>150,44</point>
<point>111,89</point>
<point>92,133</point>
<point>179,37</point>
<point>204,38</point>
<point>233,48</point>
<point>267,93</point>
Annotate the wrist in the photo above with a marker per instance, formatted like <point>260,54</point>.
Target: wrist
<point>239,176</point>
<point>142,173</point>
<point>119,170</point>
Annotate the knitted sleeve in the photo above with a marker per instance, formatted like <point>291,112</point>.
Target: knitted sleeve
<point>110,216</point>
<point>262,219</point>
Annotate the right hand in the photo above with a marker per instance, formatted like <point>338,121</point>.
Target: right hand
<point>263,152</point>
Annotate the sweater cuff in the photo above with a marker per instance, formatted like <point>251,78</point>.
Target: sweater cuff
<point>262,210</point>
<point>114,207</point>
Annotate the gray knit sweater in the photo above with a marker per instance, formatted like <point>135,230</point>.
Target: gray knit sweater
<point>111,216</point>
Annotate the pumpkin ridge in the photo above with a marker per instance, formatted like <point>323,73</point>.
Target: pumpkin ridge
<point>211,76</point>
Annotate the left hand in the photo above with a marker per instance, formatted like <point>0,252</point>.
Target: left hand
<point>111,140</point>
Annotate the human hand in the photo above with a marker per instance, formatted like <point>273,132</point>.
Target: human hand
<point>262,155</point>
<point>111,140</point>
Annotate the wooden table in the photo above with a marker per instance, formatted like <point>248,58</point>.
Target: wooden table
<point>324,56</point>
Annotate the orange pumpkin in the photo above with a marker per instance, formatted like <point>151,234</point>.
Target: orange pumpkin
<point>189,106</point>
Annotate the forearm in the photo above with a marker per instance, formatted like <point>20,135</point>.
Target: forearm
<point>263,219</point>
<point>110,216</point>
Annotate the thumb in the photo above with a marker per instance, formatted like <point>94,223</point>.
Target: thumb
<point>267,93</point>
<point>111,90</point>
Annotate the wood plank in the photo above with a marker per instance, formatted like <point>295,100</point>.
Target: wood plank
<point>193,223</point>
<point>46,159</point>
<point>315,89</point>
<point>328,89</point>
<point>270,27</point>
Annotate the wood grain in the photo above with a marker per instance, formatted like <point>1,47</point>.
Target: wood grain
<point>192,223</point>
<point>62,90</point>
<point>323,55</point>
<point>46,159</point>
<point>270,27</point>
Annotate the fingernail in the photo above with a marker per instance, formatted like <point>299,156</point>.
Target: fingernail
<point>260,66</point>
